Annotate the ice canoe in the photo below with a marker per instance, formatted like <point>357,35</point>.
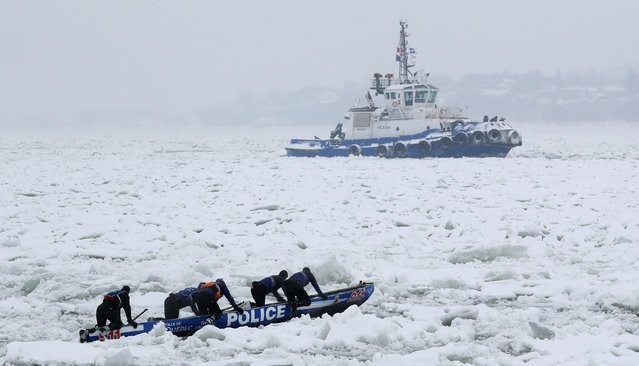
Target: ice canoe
<point>337,301</point>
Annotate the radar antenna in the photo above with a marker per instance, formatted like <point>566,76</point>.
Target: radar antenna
<point>403,53</point>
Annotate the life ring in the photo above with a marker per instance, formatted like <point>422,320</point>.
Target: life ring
<point>395,104</point>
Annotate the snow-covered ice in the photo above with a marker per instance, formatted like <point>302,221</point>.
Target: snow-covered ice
<point>527,260</point>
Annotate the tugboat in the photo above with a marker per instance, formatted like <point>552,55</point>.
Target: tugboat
<point>410,124</point>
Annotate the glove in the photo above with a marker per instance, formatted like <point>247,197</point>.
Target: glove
<point>239,310</point>
<point>133,323</point>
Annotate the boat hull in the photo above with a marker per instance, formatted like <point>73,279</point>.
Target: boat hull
<point>412,151</point>
<point>337,301</point>
<point>468,139</point>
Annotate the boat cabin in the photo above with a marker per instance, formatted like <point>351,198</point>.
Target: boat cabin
<point>408,95</point>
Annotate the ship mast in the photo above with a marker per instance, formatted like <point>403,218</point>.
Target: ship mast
<point>403,53</point>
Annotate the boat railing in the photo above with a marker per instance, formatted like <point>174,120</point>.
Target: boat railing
<point>385,83</point>
<point>397,114</point>
<point>428,113</point>
<point>446,112</point>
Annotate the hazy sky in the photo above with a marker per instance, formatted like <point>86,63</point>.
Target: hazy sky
<point>61,57</point>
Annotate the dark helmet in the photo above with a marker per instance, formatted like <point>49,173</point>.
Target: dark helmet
<point>306,269</point>
<point>283,274</point>
<point>126,288</point>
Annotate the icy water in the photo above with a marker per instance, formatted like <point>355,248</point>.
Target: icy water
<point>527,260</point>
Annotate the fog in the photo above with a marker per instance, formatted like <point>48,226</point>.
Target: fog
<point>159,60</point>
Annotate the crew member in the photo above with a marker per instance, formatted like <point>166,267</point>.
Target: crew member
<point>110,309</point>
<point>267,285</point>
<point>205,298</point>
<point>294,288</point>
<point>176,301</point>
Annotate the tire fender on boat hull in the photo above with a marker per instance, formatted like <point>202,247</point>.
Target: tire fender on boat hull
<point>461,138</point>
<point>445,143</point>
<point>382,151</point>
<point>355,150</point>
<point>514,138</point>
<point>400,149</point>
<point>424,147</point>
<point>478,137</point>
<point>494,135</point>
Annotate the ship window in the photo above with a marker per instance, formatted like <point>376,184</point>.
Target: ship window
<point>420,96</point>
<point>392,95</point>
<point>387,95</point>
<point>408,98</point>
<point>432,96</point>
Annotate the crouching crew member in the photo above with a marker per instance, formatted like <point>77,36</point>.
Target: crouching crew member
<point>270,284</point>
<point>206,296</point>
<point>294,288</point>
<point>110,309</point>
<point>176,301</point>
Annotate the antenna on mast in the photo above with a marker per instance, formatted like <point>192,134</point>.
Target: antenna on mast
<point>403,54</point>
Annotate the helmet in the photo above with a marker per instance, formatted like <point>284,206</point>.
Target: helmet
<point>126,288</point>
<point>283,274</point>
<point>306,269</point>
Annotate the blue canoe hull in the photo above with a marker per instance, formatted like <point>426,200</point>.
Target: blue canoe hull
<point>337,301</point>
